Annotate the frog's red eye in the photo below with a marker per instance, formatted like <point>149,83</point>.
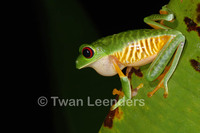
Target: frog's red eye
<point>87,52</point>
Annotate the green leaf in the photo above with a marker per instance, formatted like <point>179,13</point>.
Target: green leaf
<point>180,112</point>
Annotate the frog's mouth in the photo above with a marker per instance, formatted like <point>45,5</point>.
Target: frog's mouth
<point>79,63</point>
<point>79,66</point>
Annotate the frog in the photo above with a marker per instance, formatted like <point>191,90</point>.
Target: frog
<point>161,46</point>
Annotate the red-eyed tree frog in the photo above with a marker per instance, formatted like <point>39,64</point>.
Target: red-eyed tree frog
<point>135,48</point>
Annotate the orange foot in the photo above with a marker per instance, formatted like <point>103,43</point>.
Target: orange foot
<point>117,92</point>
<point>160,85</point>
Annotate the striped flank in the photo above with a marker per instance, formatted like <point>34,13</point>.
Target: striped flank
<point>141,49</point>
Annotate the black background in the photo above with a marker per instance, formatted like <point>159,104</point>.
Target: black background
<point>108,17</point>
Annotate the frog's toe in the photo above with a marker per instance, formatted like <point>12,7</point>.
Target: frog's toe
<point>160,85</point>
<point>165,95</point>
<point>117,92</point>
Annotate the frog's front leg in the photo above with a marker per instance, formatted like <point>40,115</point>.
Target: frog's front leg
<point>165,14</point>
<point>126,87</point>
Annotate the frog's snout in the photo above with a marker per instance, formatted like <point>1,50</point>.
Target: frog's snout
<point>78,65</point>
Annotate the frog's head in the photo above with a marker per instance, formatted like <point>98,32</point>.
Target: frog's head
<point>95,57</point>
<point>88,55</point>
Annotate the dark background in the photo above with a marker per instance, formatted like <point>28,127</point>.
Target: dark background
<point>54,30</point>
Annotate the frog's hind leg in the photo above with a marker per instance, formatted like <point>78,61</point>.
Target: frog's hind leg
<point>161,83</point>
<point>164,73</point>
<point>163,58</point>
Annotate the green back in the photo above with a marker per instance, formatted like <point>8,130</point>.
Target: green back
<point>117,42</point>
